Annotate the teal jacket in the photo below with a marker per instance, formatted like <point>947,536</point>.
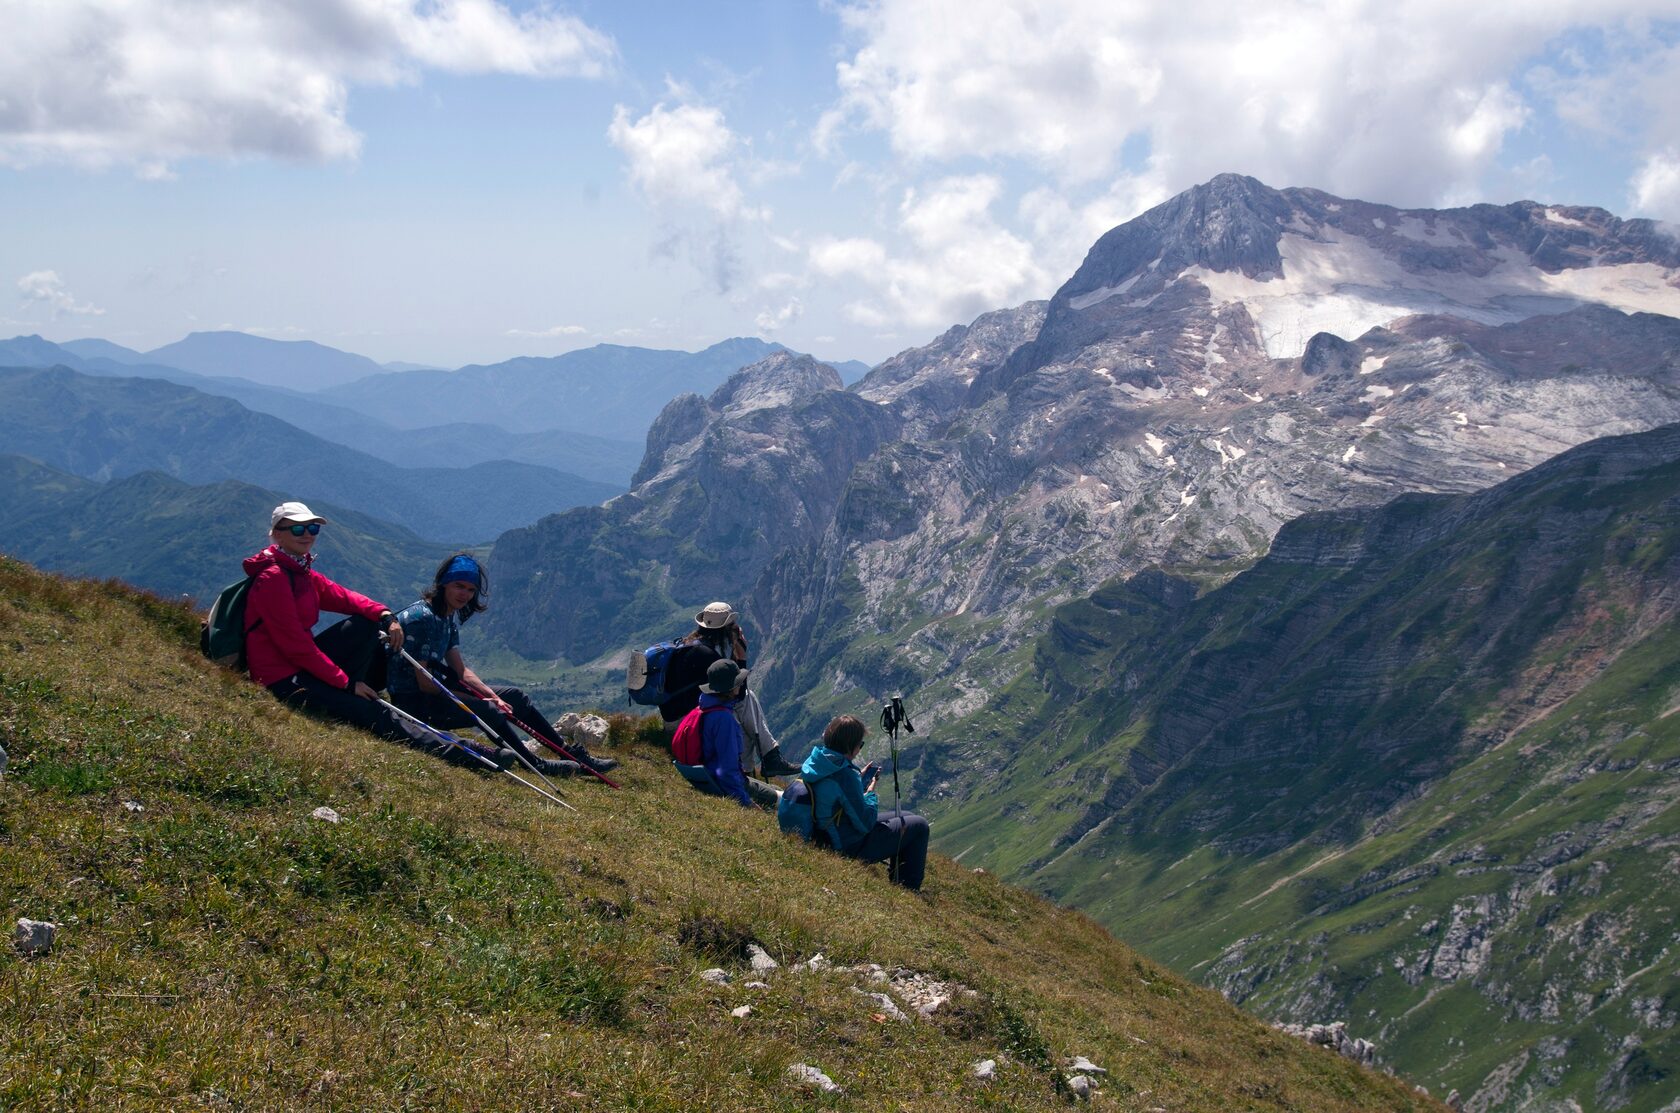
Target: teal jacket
<point>832,779</point>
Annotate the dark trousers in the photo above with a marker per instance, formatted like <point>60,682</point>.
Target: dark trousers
<point>440,711</point>
<point>901,840</point>
<point>352,645</point>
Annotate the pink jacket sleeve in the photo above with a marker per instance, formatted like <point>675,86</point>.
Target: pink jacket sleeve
<point>341,600</point>
<point>271,601</point>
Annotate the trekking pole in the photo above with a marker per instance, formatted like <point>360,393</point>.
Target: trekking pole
<point>561,750</point>
<point>518,751</point>
<point>893,716</point>
<point>451,740</point>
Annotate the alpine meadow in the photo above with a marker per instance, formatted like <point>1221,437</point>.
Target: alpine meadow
<point>884,554</point>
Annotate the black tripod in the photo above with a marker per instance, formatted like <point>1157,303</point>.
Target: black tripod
<point>893,717</point>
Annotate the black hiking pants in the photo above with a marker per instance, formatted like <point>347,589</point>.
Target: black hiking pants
<point>440,711</point>
<point>353,646</point>
<point>899,839</point>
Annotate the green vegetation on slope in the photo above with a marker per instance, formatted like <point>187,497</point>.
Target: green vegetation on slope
<point>455,942</point>
<point>1415,770</point>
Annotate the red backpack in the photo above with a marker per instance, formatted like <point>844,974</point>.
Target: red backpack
<point>685,744</point>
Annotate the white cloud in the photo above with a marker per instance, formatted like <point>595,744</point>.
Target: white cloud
<point>45,288</point>
<point>852,256</point>
<point>771,320</point>
<point>959,260</point>
<point>149,82</point>
<point>686,162</point>
<point>682,156</point>
<point>1063,230</point>
<point>1656,186</point>
<point>549,333</point>
<point>1406,101</point>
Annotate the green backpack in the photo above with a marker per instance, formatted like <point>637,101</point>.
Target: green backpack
<point>221,635</point>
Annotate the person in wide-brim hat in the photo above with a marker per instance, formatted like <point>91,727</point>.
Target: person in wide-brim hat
<point>717,635</point>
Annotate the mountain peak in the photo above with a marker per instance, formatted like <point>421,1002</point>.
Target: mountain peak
<point>776,380</point>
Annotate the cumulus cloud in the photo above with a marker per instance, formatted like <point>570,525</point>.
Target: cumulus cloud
<point>959,260</point>
<point>45,288</point>
<point>682,155</point>
<point>770,320</point>
<point>1407,101</point>
<point>1656,186</point>
<point>148,82</point>
<point>686,162</point>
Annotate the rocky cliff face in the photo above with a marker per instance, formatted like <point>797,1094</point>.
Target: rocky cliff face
<point>1217,367</point>
<point>727,482</point>
<point>1415,769</point>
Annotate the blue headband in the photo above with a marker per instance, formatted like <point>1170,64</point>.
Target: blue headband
<point>463,569</point>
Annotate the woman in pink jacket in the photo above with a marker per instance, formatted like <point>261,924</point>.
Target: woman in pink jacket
<point>323,675</point>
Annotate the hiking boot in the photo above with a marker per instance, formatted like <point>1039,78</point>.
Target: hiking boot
<point>599,764</point>
<point>774,765</point>
<point>504,758</point>
<point>557,767</point>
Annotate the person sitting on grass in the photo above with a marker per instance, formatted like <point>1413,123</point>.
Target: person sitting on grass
<point>432,631</point>
<point>861,830</point>
<point>720,739</point>
<point>717,635</point>
<point>324,675</point>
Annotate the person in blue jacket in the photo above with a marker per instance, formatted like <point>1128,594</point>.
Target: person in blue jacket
<point>720,735</point>
<point>848,809</point>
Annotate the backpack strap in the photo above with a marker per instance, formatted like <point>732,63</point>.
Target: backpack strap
<point>818,829</point>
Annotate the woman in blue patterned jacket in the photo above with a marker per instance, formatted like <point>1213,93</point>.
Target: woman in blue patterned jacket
<point>432,630</point>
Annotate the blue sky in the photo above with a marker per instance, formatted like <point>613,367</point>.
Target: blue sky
<point>452,181</point>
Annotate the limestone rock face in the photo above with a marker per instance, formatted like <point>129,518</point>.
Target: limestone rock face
<point>1217,367</point>
<point>726,484</point>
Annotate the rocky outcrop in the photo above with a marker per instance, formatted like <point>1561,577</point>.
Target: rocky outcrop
<point>726,484</point>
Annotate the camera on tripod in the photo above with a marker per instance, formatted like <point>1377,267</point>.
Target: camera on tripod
<point>894,718</point>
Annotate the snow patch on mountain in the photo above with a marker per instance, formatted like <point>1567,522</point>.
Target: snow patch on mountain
<point>1085,301</point>
<point>1343,284</point>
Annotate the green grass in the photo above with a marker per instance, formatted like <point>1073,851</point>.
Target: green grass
<point>457,943</point>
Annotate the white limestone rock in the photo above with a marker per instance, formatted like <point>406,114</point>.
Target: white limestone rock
<point>886,1003</point>
<point>716,976</point>
<point>760,959</point>
<point>811,1078</point>
<point>34,937</point>
<point>591,730</point>
<point>923,994</point>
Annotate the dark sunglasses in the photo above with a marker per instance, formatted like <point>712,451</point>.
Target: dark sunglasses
<point>311,528</point>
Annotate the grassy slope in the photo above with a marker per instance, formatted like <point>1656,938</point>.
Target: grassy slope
<point>457,943</point>
<point>1542,850</point>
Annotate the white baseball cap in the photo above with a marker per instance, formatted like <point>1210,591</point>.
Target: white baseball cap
<point>292,512</point>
